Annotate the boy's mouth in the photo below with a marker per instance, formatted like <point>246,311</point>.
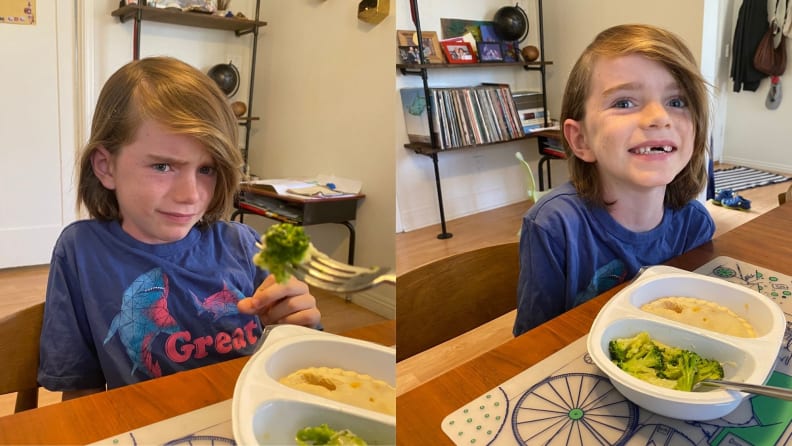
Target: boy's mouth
<point>652,149</point>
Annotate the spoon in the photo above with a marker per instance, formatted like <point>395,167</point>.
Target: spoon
<point>771,391</point>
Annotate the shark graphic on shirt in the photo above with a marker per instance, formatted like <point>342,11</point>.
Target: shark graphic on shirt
<point>144,315</point>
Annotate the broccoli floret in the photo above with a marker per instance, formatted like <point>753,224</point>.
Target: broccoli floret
<point>661,364</point>
<point>648,359</point>
<point>687,363</point>
<point>709,369</point>
<point>624,348</point>
<point>283,244</point>
<point>324,435</point>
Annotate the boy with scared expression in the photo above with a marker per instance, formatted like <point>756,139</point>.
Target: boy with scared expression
<point>156,281</point>
<point>634,127</point>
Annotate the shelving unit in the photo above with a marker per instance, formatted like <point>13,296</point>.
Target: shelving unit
<point>422,69</point>
<point>240,27</point>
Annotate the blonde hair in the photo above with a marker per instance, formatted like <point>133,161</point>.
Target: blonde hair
<point>177,96</point>
<point>669,50</point>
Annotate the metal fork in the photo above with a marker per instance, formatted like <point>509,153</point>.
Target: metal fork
<point>775,392</point>
<point>323,272</point>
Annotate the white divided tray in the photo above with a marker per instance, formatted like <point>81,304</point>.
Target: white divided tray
<point>265,411</point>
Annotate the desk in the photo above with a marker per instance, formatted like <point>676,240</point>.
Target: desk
<point>765,240</point>
<point>301,211</point>
<point>94,417</point>
<point>549,143</point>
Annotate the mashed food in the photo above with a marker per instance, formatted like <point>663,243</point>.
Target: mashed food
<point>345,386</point>
<point>701,313</point>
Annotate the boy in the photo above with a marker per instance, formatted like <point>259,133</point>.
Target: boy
<point>156,282</point>
<point>635,119</point>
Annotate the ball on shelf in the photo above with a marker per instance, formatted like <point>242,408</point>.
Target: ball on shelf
<point>239,108</point>
<point>530,53</point>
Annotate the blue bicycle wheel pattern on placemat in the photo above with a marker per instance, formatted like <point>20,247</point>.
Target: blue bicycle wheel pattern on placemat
<point>741,178</point>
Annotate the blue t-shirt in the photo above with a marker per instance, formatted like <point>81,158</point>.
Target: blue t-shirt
<point>571,251</point>
<point>119,311</point>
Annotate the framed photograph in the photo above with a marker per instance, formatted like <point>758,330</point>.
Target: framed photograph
<point>459,52</point>
<point>431,43</point>
<point>510,51</point>
<point>488,33</point>
<point>409,54</point>
<point>490,52</point>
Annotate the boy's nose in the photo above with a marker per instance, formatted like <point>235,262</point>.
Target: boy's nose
<point>656,115</point>
<point>186,189</point>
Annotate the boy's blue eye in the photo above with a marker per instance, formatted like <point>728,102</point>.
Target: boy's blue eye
<point>207,170</point>
<point>623,103</point>
<point>162,167</point>
<point>678,103</point>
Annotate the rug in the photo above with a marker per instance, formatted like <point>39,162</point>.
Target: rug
<point>741,178</point>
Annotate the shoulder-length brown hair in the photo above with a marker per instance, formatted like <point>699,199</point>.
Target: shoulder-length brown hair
<point>177,96</point>
<point>669,50</point>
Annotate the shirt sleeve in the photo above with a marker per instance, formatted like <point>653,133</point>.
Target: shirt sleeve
<point>542,281</point>
<point>68,357</point>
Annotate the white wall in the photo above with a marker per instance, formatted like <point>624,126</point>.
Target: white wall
<point>754,135</point>
<point>325,95</point>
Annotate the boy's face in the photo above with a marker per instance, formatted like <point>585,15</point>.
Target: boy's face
<point>163,182</point>
<point>637,126</point>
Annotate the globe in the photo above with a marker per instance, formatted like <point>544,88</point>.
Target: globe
<point>511,23</point>
<point>226,76</point>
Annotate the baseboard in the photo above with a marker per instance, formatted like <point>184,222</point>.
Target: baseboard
<point>380,300</point>
<point>784,169</point>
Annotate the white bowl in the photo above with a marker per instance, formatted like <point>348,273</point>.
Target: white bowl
<point>264,411</point>
<point>750,360</point>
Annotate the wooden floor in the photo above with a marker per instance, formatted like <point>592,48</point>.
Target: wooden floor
<point>20,287</point>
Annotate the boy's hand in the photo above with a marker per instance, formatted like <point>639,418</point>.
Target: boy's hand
<point>282,303</point>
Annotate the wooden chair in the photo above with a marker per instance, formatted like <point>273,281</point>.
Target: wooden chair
<point>445,298</point>
<point>19,348</point>
<point>785,197</point>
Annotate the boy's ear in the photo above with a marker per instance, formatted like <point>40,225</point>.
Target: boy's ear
<point>573,132</point>
<point>102,165</point>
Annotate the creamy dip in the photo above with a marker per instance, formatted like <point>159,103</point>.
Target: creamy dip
<point>701,313</point>
<point>345,386</point>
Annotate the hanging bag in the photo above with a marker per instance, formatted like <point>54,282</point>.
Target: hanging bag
<point>771,59</point>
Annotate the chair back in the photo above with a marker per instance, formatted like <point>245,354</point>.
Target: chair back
<point>447,297</point>
<point>19,333</point>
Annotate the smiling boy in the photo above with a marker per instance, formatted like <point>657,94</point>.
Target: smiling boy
<point>635,126</point>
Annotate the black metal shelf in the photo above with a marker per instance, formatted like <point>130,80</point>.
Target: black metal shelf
<point>422,69</point>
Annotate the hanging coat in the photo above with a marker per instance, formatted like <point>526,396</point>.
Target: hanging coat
<point>751,26</point>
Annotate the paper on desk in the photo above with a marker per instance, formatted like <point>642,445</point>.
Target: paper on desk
<point>345,185</point>
<point>315,191</point>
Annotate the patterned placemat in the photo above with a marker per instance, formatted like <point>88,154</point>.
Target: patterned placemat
<point>210,425</point>
<point>566,400</point>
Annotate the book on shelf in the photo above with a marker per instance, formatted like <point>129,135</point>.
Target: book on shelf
<point>524,99</point>
<point>416,120</point>
<point>464,116</point>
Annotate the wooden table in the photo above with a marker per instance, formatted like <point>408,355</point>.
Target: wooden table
<point>763,241</point>
<point>94,417</point>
